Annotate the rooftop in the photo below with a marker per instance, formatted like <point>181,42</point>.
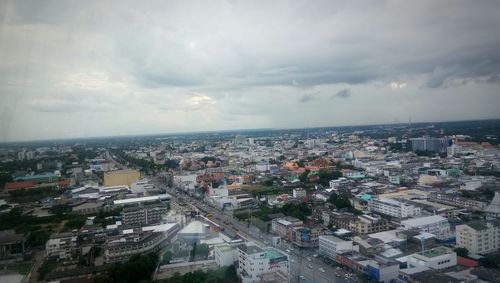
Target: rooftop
<point>437,251</point>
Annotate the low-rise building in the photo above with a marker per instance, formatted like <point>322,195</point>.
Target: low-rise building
<point>143,215</point>
<point>434,224</point>
<point>478,237</point>
<point>329,246</point>
<point>283,226</point>
<point>305,237</point>
<point>455,200</point>
<point>12,245</point>
<point>437,258</point>
<point>299,193</point>
<point>225,254</point>
<point>138,241</point>
<point>62,246</point>
<point>393,208</point>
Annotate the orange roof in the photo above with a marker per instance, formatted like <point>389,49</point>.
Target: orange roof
<point>19,185</point>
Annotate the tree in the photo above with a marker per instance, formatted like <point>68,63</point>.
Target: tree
<point>463,252</point>
<point>340,201</point>
<point>304,175</point>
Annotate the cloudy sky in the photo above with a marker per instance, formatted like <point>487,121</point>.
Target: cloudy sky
<point>102,68</point>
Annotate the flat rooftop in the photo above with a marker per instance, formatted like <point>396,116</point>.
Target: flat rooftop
<point>437,251</point>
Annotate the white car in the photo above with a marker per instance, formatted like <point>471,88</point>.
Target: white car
<point>292,260</point>
<point>287,250</point>
<point>309,259</point>
<point>310,266</point>
<point>321,269</point>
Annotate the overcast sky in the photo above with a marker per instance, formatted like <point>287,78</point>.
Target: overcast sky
<point>103,68</point>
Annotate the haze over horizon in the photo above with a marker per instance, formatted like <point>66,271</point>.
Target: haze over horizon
<point>105,68</point>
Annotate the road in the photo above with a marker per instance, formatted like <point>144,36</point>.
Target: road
<point>300,266</point>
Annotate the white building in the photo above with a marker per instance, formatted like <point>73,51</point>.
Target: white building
<point>225,254</point>
<point>299,193</point>
<point>330,245</point>
<point>478,237</point>
<point>60,246</point>
<point>393,208</point>
<point>434,224</point>
<point>254,262</point>
<point>437,258</point>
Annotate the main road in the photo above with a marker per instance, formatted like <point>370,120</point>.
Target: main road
<point>304,265</point>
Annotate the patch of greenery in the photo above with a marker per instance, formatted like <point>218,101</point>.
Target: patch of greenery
<point>221,275</point>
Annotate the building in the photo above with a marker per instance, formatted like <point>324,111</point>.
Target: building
<point>393,208</point>
<point>455,200</point>
<point>138,241</point>
<point>437,258</point>
<point>121,177</point>
<point>439,145</point>
<point>329,246</point>
<point>143,215</point>
<point>254,262</point>
<point>367,224</point>
<point>493,209</point>
<point>380,270</point>
<point>225,254</point>
<point>283,226</point>
<point>12,245</point>
<point>165,198</point>
<point>435,224</point>
<point>299,193</point>
<point>62,246</point>
<point>305,237</point>
<point>479,237</point>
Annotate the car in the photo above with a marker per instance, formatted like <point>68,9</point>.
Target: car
<point>310,266</point>
<point>302,277</point>
<point>292,249</point>
<point>315,255</point>
<point>321,269</point>
<point>337,274</point>
<point>287,250</point>
<point>292,260</point>
<point>309,259</point>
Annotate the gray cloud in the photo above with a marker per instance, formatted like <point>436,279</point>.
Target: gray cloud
<point>149,65</point>
<point>345,93</point>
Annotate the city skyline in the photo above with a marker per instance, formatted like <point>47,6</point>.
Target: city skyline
<point>91,69</point>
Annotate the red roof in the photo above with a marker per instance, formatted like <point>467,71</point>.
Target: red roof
<point>19,185</point>
<point>64,183</point>
<point>466,262</point>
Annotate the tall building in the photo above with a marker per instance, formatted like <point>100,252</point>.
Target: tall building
<point>121,177</point>
<point>426,143</point>
<point>393,208</point>
<point>254,262</point>
<point>479,237</point>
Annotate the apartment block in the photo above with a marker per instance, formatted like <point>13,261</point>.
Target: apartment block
<point>479,237</point>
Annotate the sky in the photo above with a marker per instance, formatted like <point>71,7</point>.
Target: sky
<point>103,68</point>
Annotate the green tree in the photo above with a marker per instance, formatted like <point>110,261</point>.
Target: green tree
<point>463,252</point>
